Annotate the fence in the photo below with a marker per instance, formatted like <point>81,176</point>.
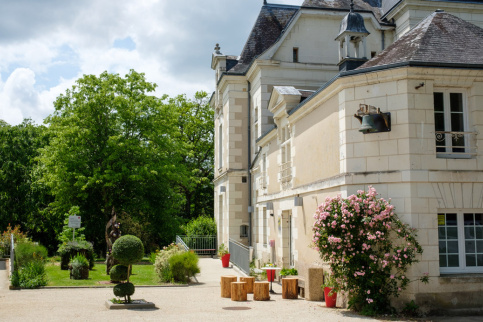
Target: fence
<point>201,245</point>
<point>239,255</point>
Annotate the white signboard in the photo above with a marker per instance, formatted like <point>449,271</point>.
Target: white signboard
<point>74,221</point>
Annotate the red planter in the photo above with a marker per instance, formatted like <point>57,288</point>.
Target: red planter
<point>270,275</point>
<point>225,260</point>
<point>330,300</point>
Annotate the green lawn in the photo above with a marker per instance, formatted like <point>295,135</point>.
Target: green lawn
<point>142,275</point>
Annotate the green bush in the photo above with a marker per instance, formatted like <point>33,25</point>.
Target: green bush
<point>161,265</point>
<point>201,226</point>
<point>72,248</point>
<point>118,273</point>
<point>124,290</point>
<point>79,267</point>
<point>128,250</point>
<point>183,266</point>
<point>31,275</point>
<point>26,252</point>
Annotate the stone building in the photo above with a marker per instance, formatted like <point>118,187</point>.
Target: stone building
<point>286,136</point>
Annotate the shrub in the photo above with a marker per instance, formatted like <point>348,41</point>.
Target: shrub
<point>26,252</point>
<point>5,238</point>
<point>72,248</point>
<point>201,226</point>
<point>183,266</point>
<point>79,267</point>
<point>124,290</point>
<point>119,273</point>
<point>128,250</point>
<point>367,247</point>
<point>32,275</point>
<point>161,265</point>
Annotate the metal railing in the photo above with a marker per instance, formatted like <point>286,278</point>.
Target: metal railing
<point>201,245</point>
<point>181,243</point>
<point>262,181</point>
<point>12,254</point>
<point>239,255</point>
<point>455,144</point>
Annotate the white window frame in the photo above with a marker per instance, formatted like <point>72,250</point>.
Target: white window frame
<point>220,146</point>
<point>447,122</point>
<point>265,227</point>
<point>285,158</point>
<point>461,243</point>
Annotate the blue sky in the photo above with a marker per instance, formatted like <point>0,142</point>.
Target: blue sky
<point>46,45</point>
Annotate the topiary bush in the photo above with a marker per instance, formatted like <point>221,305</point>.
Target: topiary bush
<point>124,290</point>
<point>119,273</point>
<point>127,250</point>
<point>183,266</point>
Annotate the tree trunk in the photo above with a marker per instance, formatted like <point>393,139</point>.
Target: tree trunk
<point>238,291</point>
<point>249,280</point>
<point>290,289</point>
<point>260,291</point>
<point>226,285</point>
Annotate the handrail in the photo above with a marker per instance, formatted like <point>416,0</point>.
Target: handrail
<point>180,241</point>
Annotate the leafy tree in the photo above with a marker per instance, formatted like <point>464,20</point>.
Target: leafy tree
<point>201,226</point>
<point>23,201</point>
<point>111,144</point>
<point>195,148</point>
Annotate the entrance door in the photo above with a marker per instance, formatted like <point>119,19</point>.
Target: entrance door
<point>287,239</point>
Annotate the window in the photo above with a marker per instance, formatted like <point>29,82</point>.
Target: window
<point>295,55</point>
<point>265,224</point>
<point>220,146</point>
<point>460,242</point>
<point>286,159</point>
<point>243,231</point>
<point>452,139</point>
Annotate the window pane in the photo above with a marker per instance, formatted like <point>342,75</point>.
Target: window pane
<point>479,232</point>
<point>453,261</point>
<point>469,232</point>
<point>457,124</point>
<point>442,247</point>
<point>479,259</point>
<point>442,261</point>
<point>469,220</point>
<point>451,233</point>
<point>456,102</point>
<point>470,260</point>
<point>451,219</point>
<point>453,247</point>
<point>478,219</point>
<point>442,233</point>
<point>470,247</point>
<point>438,102</point>
<point>479,246</point>
<point>439,121</point>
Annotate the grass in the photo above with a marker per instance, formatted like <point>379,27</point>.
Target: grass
<point>142,275</point>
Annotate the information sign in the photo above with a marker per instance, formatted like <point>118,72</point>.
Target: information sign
<point>74,221</point>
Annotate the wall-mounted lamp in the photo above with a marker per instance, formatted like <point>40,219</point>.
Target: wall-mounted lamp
<point>250,209</point>
<point>298,202</point>
<point>222,189</point>
<point>372,120</point>
<point>419,86</point>
<point>270,208</point>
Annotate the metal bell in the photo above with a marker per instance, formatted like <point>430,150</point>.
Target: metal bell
<point>367,125</point>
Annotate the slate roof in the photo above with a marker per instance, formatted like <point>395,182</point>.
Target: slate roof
<point>359,5</point>
<point>267,29</point>
<point>440,38</point>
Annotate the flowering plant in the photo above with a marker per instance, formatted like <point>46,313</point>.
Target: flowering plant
<point>367,247</point>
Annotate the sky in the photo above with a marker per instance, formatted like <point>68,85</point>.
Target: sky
<point>46,45</point>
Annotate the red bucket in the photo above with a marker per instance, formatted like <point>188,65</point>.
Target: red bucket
<point>270,275</point>
<point>330,300</point>
<point>225,260</point>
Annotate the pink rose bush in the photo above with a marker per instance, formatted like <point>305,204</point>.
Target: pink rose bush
<point>368,248</point>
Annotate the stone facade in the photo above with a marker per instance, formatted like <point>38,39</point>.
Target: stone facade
<point>286,138</point>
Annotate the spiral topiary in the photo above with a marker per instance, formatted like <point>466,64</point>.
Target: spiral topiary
<point>124,290</point>
<point>119,273</point>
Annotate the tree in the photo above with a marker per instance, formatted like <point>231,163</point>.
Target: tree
<point>111,145</point>
<point>23,201</point>
<point>195,132</point>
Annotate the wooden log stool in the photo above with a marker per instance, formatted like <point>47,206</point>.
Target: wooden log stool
<point>249,280</point>
<point>290,288</point>
<point>239,291</point>
<point>260,291</point>
<point>226,285</point>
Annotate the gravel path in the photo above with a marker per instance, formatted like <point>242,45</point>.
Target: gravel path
<point>197,302</point>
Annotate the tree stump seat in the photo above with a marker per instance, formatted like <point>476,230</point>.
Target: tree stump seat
<point>226,285</point>
<point>290,288</point>
<point>261,291</point>
<point>239,291</point>
<point>250,280</point>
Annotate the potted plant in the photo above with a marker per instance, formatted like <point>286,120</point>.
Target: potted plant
<point>79,267</point>
<point>224,255</point>
<point>270,272</point>
<point>288,272</point>
<point>329,287</point>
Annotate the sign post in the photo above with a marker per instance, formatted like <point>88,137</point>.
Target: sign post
<point>74,222</point>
